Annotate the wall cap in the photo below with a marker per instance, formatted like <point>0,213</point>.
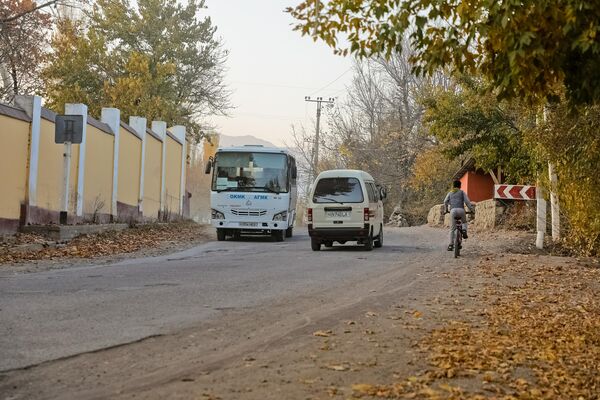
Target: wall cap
<point>129,129</point>
<point>100,125</point>
<point>14,112</point>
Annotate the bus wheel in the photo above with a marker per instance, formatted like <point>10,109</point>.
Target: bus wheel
<point>220,234</point>
<point>289,232</point>
<point>279,235</point>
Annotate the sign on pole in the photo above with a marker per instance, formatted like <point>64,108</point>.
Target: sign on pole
<point>68,128</point>
<point>514,192</point>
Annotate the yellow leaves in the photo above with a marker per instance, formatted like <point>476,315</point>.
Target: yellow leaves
<point>365,389</point>
<point>533,329</point>
<point>323,333</point>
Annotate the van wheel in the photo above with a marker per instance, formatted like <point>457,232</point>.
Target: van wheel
<point>289,232</point>
<point>278,235</point>
<point>369,241</point>
<point>220,234</point>
<point>315,244</point>
<point>379,241</point>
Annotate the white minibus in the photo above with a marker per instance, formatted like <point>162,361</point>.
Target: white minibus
<point>253,191</point>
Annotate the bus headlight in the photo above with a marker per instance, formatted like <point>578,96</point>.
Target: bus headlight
<point>214,214</point>
<point>282,216</point>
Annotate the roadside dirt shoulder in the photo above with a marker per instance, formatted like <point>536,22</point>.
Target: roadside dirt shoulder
<point>33,253</point>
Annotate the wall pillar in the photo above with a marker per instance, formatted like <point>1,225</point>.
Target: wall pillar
<point>112,118</point>
<point>139,125</point>
<point>179,132</point>
<point>32,105</point>
<point>160,127</point>
<point>80,109</point>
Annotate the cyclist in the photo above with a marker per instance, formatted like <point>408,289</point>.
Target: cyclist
<point>456,200</point>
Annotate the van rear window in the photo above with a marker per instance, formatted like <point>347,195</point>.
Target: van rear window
<point>338,190</point>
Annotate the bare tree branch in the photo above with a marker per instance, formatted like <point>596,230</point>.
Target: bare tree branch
<point>24,13</point>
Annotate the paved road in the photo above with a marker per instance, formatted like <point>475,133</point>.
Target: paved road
<point>54,314</point>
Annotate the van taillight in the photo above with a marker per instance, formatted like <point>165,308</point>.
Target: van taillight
<point>309,213</point>
<point>366,214</point>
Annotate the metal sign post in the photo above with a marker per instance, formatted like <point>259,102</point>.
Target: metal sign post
<point>68,130</point>
<point>64,210</point>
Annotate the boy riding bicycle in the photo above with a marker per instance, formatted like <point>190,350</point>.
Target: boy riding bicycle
<point>456,200</point>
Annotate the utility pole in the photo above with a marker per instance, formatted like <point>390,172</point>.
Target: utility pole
<point>315,163</point>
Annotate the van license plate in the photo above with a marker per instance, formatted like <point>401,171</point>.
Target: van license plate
<point>248,223</point>
<point>338,214</point>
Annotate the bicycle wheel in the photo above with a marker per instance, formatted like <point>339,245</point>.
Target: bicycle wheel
<point>457,242</point>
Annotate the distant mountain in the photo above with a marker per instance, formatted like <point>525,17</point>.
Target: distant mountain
<point>228,141</point>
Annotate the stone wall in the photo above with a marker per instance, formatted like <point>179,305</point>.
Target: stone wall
<point>488,215</point>
<point>436,216</point>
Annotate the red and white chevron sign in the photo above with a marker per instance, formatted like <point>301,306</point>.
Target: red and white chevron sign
<point>514,192</point>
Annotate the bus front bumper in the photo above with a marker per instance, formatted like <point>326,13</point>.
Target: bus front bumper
<point>249,225</point>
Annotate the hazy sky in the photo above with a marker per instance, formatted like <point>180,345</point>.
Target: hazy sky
<point>271,68</point>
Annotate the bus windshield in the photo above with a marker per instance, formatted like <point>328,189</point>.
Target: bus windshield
<point>247,171</point>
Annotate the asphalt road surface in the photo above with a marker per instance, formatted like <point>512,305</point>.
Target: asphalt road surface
<point>60,313</point>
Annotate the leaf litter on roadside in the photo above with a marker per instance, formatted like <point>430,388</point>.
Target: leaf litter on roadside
<point>150,236</point>
<point>539,339</point>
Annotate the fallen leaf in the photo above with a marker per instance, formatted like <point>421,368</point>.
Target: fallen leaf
<point>337,367</point>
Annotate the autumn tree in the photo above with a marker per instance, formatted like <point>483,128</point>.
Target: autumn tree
<point>158,59</point>
<point>23,42</point>
<point>526,49</point>
<point>570,140</point>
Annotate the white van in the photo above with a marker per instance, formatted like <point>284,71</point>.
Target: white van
<point>345,205</point>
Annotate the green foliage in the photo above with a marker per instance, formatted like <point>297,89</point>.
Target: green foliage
<point>77,68</point>
<point>468,120</point>
<point>527,49</point>
<point>158,59</point>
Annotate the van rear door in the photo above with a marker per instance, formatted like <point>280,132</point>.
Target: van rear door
<point>337,202</point>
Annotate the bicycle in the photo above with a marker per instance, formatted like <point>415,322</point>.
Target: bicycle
<point>458,238</point>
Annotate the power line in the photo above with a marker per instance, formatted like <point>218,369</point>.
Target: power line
<point>272,85</point>
<point>332,82</point>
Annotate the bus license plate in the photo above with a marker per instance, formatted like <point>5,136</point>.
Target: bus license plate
<point>248,223</point>
<point>338,214</point>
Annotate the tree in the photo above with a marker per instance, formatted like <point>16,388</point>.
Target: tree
<point>526,49</point>
<point>22,47</point>
<point>29,7</point>
<point>570,140</point>
<point>77,68</point>
<point>468,120</point>
<point>382,116</point>
<point>159,59</point>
